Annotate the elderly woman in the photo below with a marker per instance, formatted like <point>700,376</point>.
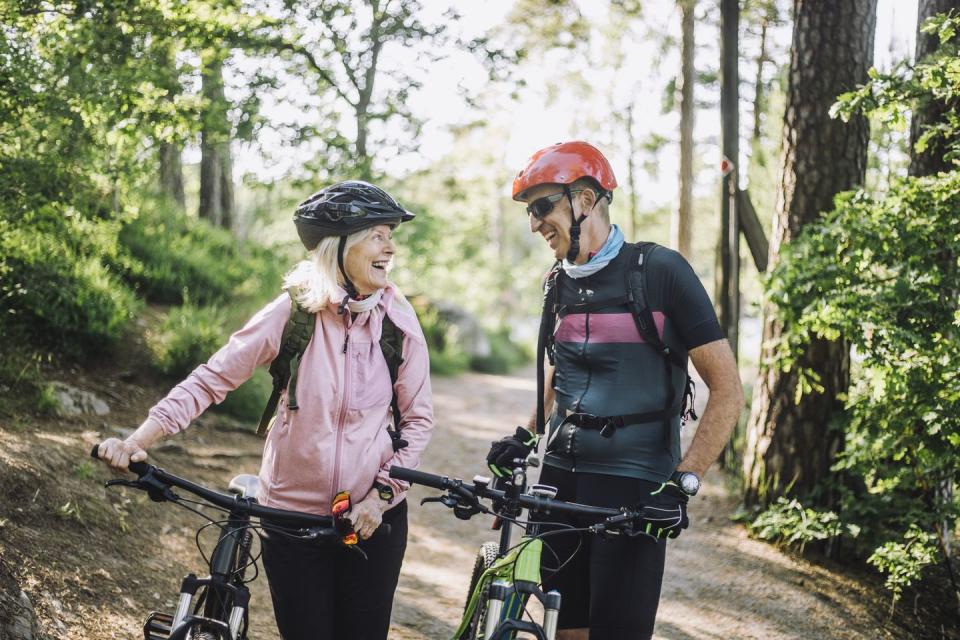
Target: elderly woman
<point>334,437</point>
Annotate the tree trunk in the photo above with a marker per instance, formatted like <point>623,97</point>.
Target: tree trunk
<point>929,111</point>
<point>790,446</point>
<point>727,297</point>
<point>171,173</point>
<point>216,166</point>
<point>632,174</point>
<point>682,216</point>
<point>759,99</point>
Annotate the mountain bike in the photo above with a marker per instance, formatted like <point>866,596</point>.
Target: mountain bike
<point>216,607</point>
<point>504,577</point>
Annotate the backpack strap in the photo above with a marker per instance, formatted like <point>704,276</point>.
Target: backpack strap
<point>391,344</point>
<point>637,300</point>
<point>545,339</point>
<point>285,367</point>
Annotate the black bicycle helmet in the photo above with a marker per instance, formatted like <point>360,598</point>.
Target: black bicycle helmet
<point>344,208</point>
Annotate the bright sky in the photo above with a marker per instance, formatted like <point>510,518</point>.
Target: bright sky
<point>534,121</point>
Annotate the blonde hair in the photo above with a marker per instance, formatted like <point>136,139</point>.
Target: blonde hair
<point>316,280</point>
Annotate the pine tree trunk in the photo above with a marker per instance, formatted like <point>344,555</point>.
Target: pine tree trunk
<point>682,216</point>
<point>171,173</point>
<point>932,160</point>
<point>216,166</point>
<point>790,446</point>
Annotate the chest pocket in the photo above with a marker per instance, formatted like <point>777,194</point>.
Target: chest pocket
<point>369,377</point>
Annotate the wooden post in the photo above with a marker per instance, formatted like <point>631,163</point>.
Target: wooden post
<point>728,281</point>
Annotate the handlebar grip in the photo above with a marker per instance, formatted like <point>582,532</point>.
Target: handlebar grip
<point>418,477</point>
<point>138,468</point>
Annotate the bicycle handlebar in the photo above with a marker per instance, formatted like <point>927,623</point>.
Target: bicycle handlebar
<point>536,504</point>
<point>157,482</point>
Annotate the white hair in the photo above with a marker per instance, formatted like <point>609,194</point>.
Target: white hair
<point>316,279</point>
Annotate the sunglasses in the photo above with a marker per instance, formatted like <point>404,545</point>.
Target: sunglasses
<point>541,207</point>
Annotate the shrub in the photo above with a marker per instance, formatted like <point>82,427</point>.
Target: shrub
<point>57,292</point>
<point>790,524</point>
<point>246,402</point>
<point>173,258</point>
<point>505,354</point>
<point>188,336</point>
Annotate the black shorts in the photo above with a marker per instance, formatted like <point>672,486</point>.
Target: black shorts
<point>611,586</point>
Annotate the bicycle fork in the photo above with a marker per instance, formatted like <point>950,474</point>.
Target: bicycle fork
<point>507,600</point>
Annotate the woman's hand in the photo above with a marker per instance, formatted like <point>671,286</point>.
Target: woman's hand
<point>118,454</point>
<point>367,514</point>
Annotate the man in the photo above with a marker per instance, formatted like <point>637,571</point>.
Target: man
<point>620,321</point>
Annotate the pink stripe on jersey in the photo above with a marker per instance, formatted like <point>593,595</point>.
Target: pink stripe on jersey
<point>605,328</point>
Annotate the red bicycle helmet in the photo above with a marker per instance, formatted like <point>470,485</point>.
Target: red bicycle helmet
<point>564,163</point>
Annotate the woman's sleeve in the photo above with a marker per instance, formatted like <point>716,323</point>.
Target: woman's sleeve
<point>415,401</point>
<point>255,344</point>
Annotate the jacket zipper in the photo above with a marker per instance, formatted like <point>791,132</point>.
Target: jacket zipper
<point>343,409</point>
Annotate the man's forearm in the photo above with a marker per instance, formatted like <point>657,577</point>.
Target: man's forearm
<point>719,419</point>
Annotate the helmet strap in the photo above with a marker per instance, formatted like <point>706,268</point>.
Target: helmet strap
<point>348,285</point>
<point>574,250</point>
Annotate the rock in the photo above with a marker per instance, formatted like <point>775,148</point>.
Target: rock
<point>76,402</point>
<point>466,330</point>
<point>17,619</point>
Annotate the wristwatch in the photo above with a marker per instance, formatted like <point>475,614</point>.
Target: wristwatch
<point>688,481</point>
<point>385,492</point>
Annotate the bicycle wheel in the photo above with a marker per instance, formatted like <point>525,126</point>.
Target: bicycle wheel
<point>486,556</point>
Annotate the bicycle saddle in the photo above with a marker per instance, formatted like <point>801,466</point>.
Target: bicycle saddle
<point>245,485</point>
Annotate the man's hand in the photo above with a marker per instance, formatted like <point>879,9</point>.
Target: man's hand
<point>666,511</point>
<point>503,452</point>
<point>367,514</point>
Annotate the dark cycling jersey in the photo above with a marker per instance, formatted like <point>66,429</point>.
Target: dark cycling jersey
<point>604,367</point>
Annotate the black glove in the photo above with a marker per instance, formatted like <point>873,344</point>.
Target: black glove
<point>665,511</point>
<point>503,452</point>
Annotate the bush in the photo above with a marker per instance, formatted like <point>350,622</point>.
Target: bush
<point>505,354</point>
<point>57,292</point>
<point>790,524</point>
<point>173,258</point>
<point>446,356</point>
<point>188,337</point>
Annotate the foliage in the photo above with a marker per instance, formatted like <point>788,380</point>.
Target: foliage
<point>883,273</point>
<point>188,336</point>
<point>789,523</point>
<point>505,355</point>
<point>904,561</point>
<point>446,356</point>
<point>175,258</point>
<point>893,96</point>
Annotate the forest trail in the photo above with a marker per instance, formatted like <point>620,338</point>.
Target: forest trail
<point>718,582</point>
<point>94,562</point>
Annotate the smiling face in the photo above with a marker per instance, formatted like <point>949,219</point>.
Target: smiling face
<point>367,261</point>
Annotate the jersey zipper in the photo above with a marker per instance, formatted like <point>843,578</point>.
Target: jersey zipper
<point>341,419</point>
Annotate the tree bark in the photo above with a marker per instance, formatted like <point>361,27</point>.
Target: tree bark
<point>727,297</point>
<point>929,111</point>
<point>216,166</point>
<point>171,173</point>
<point>759,99</point>
<point>682,216</point>
<point>790,446</point>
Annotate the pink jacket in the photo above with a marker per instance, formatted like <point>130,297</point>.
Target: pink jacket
<point>337,440</point>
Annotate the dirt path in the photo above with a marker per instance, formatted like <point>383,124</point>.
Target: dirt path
<point>718,584</point>
<point>93,562</point>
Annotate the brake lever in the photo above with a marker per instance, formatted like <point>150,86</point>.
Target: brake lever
<point>157,492</point>
<point>133,484</point>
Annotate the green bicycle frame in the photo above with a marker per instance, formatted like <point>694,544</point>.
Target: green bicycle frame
<point>521,564</point>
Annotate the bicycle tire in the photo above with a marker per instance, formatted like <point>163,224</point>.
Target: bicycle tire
<point>486,556</point>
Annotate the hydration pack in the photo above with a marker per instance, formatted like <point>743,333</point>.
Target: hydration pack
<point>635,298</point>
<point>284,369</point>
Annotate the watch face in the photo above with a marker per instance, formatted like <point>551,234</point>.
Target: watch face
<point>690,483</point>
<point>386,492</point>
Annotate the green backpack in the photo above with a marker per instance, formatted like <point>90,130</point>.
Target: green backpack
<point>284,368</point>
